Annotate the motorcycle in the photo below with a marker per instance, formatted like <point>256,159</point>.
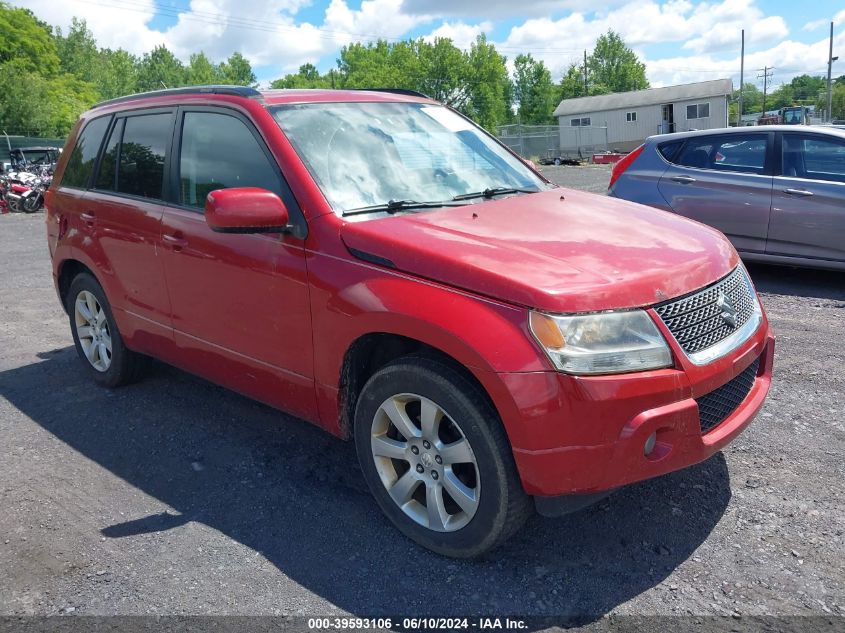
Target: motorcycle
<point>24,191</point>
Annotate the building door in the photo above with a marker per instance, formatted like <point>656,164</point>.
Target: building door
<point>668,119</point>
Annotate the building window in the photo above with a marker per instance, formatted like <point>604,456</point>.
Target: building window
<point>582,122</point>
<point>631,117</point>
<point>698,111</point>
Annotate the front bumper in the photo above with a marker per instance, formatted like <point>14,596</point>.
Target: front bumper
<point>586,435</point>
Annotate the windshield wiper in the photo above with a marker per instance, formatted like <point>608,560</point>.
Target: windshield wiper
<point>392,206</point>
<point>491,192</point>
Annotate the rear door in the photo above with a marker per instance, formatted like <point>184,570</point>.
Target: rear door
<point>123,218</point>
<point>724,181</point>
<point>808,204</point>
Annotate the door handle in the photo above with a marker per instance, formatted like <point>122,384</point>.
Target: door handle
<point>177,242</point>
<point>798,192</point>
<point>88,217</point>
<point>683,179</point>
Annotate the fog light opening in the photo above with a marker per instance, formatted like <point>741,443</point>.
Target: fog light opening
<point>648,447</point>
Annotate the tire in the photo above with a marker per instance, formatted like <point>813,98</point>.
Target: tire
<point>558,162</point>
<point>469,448</point>
<point>109,367</point>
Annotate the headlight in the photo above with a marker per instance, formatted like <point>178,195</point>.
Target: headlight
<point>601,343</point>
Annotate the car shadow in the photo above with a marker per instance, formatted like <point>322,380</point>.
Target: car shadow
<point>799,282</point>
<point>294,494</point>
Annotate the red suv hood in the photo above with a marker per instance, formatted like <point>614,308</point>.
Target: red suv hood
<point>560,250</point>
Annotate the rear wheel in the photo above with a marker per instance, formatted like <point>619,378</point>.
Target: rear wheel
<point>436,458</point>
<point>96,337</point>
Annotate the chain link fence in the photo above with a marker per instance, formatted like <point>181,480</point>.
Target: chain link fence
<point>553,141</point>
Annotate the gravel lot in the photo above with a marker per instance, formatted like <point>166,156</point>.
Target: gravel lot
<point>174,496</point>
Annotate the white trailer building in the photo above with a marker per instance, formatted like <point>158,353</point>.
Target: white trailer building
<point>623,120</point>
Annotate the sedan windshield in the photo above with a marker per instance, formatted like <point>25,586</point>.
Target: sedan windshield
<point>372,154</point>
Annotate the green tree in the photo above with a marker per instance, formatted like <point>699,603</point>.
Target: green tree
<point>571,84</point>
<point>490,85</point>
<point>78,51</point>
<point>33,104</point>
<point>838,101</point>
<point>28,40</point>
<point>442,72</point>
<point>237,70</point>
<point>307,77</point>
<point>533,90</point>
<point>117,73</point>
<point>613,67</point>
<point>159,69</point>
<point>201,71</point>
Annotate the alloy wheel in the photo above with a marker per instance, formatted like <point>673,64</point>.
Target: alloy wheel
<point>425,462</point>
<point>92,329</point>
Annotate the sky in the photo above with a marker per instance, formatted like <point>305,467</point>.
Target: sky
<point>680,41</point>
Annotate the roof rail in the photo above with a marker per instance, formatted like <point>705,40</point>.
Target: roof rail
<point>397,91</point>
<point>239,91</point>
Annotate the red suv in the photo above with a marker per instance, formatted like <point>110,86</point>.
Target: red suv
<point>375,263</point>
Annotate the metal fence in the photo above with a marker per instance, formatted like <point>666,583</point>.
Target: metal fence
<point>552,141</point>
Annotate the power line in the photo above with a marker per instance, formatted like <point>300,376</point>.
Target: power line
<point>767,74</point>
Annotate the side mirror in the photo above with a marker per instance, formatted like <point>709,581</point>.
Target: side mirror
<point>530,163</point>
<point>246,210</point>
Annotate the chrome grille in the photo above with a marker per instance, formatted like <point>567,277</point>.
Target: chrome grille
<point>696,320</point>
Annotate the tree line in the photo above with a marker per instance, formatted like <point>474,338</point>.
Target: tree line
<point>48,77</point>
<point>801,90</point>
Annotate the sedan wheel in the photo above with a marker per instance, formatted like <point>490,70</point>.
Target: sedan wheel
<point>425,462</point>
<point>92,328</point>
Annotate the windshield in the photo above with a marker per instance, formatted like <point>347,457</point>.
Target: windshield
<point>368,154</point>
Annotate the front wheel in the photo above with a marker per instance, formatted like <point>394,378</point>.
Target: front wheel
<point>436,458</point>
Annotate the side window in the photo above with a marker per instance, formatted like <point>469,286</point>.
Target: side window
<point>141,156</point>
<point>813,157</point>
<point>84,155</point>
<point>736,153</point>
<point>698,111</point>
<point>108,163</point>
<point>219,151</point>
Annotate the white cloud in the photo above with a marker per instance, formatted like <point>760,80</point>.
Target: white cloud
<point>704,29</point>
<point>461,34</point>
<point>839,18</point>
<point>498,8</point>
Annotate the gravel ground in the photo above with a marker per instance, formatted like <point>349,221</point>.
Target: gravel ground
<point>174,496</point>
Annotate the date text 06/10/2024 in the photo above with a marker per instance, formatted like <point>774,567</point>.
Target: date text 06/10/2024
<point>416,624</point>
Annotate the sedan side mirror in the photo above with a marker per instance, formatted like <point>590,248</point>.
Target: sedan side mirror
<point>246,210</point>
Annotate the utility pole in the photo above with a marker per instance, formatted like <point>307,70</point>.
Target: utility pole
<point>585,68</point>
<point>767,74</point>
<point>830,60</point>
<point>741,78</point>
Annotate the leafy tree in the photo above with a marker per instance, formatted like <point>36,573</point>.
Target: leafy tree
<point>572,83</point>
<point>159,69</point>
<point>28,40</point>
<point>533,90</point>
<point>78,51</point>
<point>490,87</point>
<point>33,104</point>
<point>237,70</point>
<point>613,67</point>
<point>838,101</point>
<point>202,72</point>
<point>307,77</point>
<point>117,73</point>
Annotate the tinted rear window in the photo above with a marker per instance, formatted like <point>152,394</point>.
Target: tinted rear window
<point>736,153</point>
<point>141,164</point>
<point>669,150</point>
<point>80,165</point>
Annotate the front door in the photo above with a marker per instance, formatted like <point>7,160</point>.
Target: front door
<point>723,181</point>
<point>808,203</point>
<point>240,302</point>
